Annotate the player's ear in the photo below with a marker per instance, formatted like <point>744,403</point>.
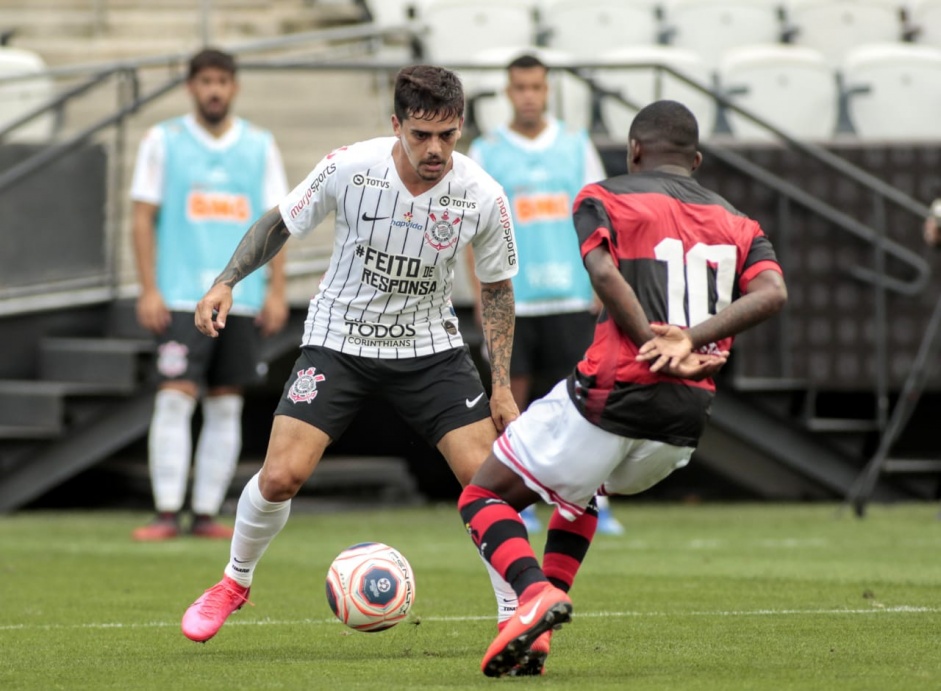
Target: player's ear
<point>396,125</point>
<point>697,161</point>
<point>633,153</point>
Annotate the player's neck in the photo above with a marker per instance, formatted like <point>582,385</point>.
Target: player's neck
<point>530,130</point>
<point>218,129</point>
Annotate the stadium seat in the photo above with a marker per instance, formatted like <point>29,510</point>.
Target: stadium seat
<point>834,26</point>
<point>791,87</point>
<point>569,96</point>
<point>709,27</point>
<point>894,91</point>
<point>585,28</point>
<point>924,21</point>
<point>635,74</point>
<point>21,96</point>
<point>454,30</point>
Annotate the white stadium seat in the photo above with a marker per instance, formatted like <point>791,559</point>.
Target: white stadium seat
<point>454,30</point>
<point>710,27</point>
<point>894,92</point>
<point>21,96</point>
<point>835,26</point>
<point>924,16</point>
<point>634,73</point>
<point>569,96</point>
<point>586,28</point>
<point>791,87</point>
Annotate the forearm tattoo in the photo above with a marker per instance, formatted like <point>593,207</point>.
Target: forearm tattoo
<point>498,313</point>
<point>260,244</point>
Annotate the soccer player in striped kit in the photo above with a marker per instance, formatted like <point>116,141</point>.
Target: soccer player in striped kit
<point>679,272</point>
<point>199,182</point>
<point>382,324</point>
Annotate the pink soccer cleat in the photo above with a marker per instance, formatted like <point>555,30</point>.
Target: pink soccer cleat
<point>206,616</point>
<point>547,610</point>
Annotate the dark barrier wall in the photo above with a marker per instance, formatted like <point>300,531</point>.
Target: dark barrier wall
<point>828,335</point>
<point>52,224</point>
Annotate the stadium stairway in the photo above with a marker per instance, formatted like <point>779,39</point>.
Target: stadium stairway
<point>90,397</point>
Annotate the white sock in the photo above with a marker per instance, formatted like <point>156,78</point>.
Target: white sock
<point>507,601</point>
<point>217,452</point>
<point>257,522</point>
<point>601,501</point>
<point>170,444</point>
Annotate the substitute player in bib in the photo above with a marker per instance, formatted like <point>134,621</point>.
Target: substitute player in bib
<point>382,325</point>
<point>680,272</point>
<point>543,164</point>
<point>199,182</point>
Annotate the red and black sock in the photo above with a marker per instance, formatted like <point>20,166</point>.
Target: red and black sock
<point>499,533</point>
<point>567,543</point>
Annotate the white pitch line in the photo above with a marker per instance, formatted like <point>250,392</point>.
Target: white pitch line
<point>901,609</point>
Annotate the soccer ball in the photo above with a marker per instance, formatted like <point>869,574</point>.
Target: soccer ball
<point>370,587</point>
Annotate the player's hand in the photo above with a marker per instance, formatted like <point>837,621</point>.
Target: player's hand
<point>273,315</point>
<point>152,312</point>
<point>669,346</point>
<point>698,366</point>
<point>212,310</point>
<point>503,408</point>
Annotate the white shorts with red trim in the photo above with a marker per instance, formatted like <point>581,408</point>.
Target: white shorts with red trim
<point>567,460</point>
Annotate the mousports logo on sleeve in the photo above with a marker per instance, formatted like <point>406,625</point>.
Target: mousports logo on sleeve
<point>312,189</point>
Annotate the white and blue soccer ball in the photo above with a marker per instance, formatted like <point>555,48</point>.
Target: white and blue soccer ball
<point>370,587</point>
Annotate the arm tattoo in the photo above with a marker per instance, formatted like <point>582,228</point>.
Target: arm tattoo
<point>498,312</point>
<point>262,242</point>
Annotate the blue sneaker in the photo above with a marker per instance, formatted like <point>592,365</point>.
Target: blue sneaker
<point>530,520</point>
<point>608,524</point>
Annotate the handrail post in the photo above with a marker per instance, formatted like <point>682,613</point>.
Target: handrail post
<point>881,334</point>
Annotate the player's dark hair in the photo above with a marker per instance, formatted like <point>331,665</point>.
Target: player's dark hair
<point>525,62</point>
<point>667,128</point>
<point>428,93</point>
<point>209,58</point>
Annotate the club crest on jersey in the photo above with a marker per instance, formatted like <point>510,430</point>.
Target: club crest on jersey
<point>172,359</point>
<point>442,234</point>
<point>304,388</point>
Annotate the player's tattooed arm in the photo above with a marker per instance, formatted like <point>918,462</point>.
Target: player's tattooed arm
<point>260,244</point>
<point>498,315</point>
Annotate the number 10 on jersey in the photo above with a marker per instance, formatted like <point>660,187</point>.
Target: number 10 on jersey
<point>688,279</point>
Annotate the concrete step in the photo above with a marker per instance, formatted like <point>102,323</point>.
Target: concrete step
<point>113,365</point>
<point>33,405</point>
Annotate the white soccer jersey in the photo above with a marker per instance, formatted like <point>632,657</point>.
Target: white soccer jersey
<point>387,292</point>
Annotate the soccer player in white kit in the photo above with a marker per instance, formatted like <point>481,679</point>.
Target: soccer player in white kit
<point>382,325</point>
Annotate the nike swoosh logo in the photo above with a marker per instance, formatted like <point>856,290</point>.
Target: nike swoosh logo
<point>240,561</point>
<point>471,403</point>
<point>373,219</point>
<point>527,618</point>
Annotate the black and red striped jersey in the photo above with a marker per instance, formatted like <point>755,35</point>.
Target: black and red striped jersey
<point>687,254</point>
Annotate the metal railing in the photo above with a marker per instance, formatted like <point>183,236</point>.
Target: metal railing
<point>916,269</point>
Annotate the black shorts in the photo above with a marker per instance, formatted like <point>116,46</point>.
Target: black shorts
<point>549,346</point>
<point>434,393</point>
<point>232,359</point>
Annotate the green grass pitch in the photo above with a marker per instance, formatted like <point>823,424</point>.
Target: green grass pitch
<point>724,597</point>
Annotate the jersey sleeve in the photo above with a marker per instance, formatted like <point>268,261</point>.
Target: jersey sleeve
<point>592,223</point>
<point>495,245</point>
<point>308,204</point>
<point>759,256</point>
<point>147,183</point>
<point>276,182</point>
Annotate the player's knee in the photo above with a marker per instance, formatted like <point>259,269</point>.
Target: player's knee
<point>280,483</point>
